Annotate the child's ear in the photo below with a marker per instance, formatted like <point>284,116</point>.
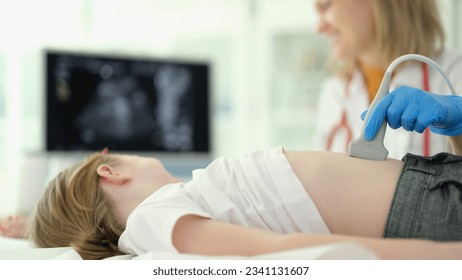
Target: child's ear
<point>107,173</point>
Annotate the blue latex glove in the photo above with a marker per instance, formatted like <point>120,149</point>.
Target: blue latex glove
<point>414,110</point>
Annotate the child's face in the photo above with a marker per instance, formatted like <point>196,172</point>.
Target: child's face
<point>147,168</point>
<point>148,172</point>
<point>127,180</point>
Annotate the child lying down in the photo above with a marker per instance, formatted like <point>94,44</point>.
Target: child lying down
<point>263,202</point>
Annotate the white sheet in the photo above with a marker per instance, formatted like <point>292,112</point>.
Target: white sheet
<point>341,251</point>
<point>18,249</point>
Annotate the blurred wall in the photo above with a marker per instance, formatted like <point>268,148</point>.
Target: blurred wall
<point>245,41</point>
<point>267,68</point>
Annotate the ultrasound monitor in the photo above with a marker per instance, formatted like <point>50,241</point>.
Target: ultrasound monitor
<point>129,104</point>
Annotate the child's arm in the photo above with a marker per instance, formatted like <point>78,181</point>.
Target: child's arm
<point>196,235</point>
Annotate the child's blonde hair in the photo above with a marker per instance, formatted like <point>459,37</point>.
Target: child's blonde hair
<point>75,212</point>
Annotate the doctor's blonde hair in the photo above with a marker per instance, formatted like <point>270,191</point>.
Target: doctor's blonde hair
<point>403,27</point>
<point>75,212</point>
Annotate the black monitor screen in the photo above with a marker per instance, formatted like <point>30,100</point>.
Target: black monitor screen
<point>131,104</point>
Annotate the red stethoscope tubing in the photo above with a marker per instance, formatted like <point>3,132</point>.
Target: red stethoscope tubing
<point>426,87</point>
<point>343,124</point>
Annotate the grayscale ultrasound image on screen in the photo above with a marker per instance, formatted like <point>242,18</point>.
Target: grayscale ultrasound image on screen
<point>125,103</point>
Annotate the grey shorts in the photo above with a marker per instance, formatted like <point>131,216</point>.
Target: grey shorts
<point>427,203</point>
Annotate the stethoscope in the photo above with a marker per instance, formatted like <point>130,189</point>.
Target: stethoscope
<point>426,87</point>
<point>344,125</point>
<point>341,125</point>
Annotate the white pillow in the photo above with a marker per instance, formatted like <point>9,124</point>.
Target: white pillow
<point>60,253</point>
<point>13,243</point>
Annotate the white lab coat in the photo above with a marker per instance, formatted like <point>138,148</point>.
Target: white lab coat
<point>338,96</point>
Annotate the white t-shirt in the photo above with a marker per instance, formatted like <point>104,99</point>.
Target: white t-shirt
<point>259,189</point>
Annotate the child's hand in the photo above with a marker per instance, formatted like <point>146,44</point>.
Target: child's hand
<point>13,226</point>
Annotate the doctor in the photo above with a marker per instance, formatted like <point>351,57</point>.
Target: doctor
<point>365,37</point>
